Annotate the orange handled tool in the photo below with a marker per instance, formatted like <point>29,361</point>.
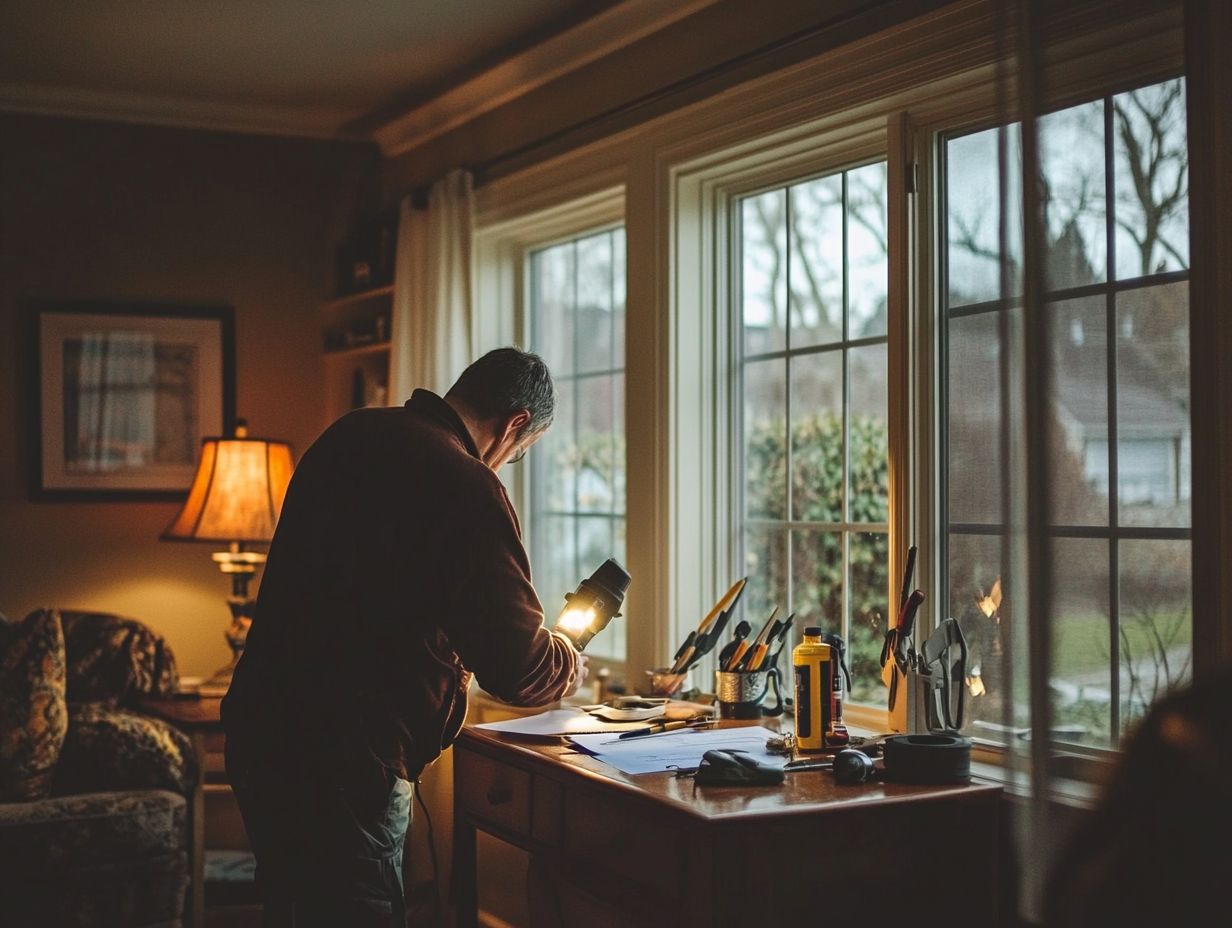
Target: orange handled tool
<point>763,649</point>
<point>724,604</point>
<point>749,653</point>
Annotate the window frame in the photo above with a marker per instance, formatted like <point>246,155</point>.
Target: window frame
<point>707,194</point>
<point>530,475</point>
<point>502,251</point>
<point>842,346</point>
<point>937,72</point>
<point>1094,73</point>
<point>1112,532</point>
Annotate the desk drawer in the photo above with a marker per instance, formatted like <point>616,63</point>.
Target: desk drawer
<point>626,841</point>
<point>493,793</point>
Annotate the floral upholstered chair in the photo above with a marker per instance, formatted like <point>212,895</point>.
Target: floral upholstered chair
<point>93,807</point>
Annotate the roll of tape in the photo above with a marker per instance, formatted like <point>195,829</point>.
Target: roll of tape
<point>931,758</point>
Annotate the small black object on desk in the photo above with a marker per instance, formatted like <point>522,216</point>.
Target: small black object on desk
<point>735,768</point>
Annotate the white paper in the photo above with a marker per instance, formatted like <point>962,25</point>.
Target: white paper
<point>556,722</point>
<point>614,714</point>
<point>677,749</point>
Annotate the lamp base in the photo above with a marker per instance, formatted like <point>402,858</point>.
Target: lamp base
<point>220,682</point>
<point>241,565</point>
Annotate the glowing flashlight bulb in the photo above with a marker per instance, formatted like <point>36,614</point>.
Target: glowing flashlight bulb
<point>575,620</point>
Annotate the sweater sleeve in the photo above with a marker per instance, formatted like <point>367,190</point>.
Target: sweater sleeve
<point>495,622</point>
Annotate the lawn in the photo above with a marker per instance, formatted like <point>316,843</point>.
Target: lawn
<point>1082,646</point>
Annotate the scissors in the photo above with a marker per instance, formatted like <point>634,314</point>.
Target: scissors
<point>896,645</point>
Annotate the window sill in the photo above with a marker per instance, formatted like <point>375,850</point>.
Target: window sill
<point>1076,782</point>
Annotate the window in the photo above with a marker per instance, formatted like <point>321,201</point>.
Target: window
<point>1116,290</point>
<point>576,312</point>
<point>812,408</point>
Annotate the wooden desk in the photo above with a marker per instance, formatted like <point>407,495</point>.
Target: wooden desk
<point>655,850</point>
<point>200,719</point>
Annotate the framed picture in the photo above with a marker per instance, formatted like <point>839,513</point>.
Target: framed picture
<point>123,395</point>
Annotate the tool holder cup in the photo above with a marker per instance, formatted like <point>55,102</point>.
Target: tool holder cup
<point>742,694</point>
<point>662,682</point>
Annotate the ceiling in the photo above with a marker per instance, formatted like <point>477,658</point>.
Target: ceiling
<point>294,67</point>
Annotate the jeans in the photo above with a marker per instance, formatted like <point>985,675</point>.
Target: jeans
<point>324,859</point>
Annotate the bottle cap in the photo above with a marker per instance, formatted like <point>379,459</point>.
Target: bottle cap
<point>813,630</point>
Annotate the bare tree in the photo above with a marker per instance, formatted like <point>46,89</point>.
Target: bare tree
<point>1150,131</point>
<point>1149,167</point>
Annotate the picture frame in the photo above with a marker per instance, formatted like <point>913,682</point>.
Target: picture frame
<point>122,394</point>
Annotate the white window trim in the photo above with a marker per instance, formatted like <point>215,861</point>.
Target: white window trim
<point>502,297</point>
<point>705,193</point>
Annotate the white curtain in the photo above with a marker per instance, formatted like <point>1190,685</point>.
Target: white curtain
<point>432,328</point>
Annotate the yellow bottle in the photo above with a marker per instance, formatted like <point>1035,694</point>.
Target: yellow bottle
<point>811,661</point>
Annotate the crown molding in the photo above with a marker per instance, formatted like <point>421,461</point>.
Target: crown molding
<point>614,28</point>
<point>304,122</point>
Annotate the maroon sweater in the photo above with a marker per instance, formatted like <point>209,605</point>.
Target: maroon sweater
<point>397,569</point>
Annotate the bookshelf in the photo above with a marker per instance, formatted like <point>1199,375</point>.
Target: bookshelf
<point>355,349</point>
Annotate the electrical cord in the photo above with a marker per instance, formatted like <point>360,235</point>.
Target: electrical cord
<point>436,877</point>
<point>436,874</point>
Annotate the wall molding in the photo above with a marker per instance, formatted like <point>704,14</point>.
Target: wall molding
<point>174,112</point>
<point>609,31</point>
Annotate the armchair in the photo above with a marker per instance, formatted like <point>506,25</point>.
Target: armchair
<point>93,807</point>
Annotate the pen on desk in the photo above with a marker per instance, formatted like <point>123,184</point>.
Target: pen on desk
<point>808,764</point>
<point>663,727</point>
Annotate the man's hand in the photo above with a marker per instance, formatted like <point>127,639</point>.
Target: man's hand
<point>580,678</point>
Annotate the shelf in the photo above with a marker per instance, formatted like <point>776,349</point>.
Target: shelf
<point>352,298</point>
<point>356,374</point>
<point>358,351</point>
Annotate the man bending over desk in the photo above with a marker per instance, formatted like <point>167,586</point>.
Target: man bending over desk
<point>396,570</point>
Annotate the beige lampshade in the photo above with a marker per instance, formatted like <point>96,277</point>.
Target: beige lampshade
<point>237,493</point>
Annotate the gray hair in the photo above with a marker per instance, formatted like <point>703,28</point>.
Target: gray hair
<point>505,381</point>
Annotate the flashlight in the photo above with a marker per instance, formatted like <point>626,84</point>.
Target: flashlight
<point>595,602</point>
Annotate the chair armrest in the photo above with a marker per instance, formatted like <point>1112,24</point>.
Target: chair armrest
<point>118,749</point>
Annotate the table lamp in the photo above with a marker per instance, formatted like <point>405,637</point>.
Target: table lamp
<point>595,602</point>
<point>235,500</point>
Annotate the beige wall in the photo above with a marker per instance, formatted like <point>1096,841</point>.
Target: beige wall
<point>96,211</point>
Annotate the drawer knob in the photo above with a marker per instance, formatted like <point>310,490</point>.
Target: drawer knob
<point>499,794</point>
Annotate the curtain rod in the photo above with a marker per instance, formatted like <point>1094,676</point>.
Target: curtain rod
<point>484,171</point>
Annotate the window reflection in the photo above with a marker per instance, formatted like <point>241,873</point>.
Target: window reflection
<point>129,402</point>
<point>1118,432</point>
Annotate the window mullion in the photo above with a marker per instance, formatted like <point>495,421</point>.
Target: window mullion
<point>1114,479</point>
<point>788,457</point>
<point>844,538</point>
